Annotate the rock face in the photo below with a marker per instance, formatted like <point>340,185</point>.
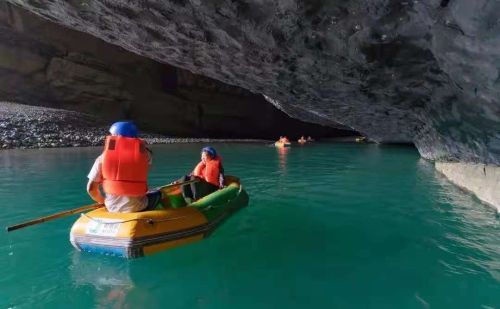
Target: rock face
<point>25,126</point>
<point>42,63</point>
<point>398,71</point>
<point>480,179</point>
<point>28,126</point>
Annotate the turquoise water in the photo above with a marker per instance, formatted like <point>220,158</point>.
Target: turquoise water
<point>328,226</point>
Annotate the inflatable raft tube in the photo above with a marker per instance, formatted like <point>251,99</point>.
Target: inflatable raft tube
<point>133,235</point>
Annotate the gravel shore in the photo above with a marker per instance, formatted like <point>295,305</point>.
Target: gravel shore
<point>26,126</point>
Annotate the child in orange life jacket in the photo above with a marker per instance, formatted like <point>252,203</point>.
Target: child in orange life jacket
<point>210,173</point>
<point>121,171</point>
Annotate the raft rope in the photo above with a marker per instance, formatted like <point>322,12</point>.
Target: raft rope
<point>148,220</point>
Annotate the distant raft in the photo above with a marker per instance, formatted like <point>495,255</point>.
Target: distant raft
<point>133,235</point>
<point>282,144</point>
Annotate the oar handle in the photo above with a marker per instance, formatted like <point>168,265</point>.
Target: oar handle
<point>187,182</point>
<point>80,209</point>
<point>52,217</point>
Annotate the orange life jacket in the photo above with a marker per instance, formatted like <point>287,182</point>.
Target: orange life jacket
<point>209,170</point>
<point>125,166</point>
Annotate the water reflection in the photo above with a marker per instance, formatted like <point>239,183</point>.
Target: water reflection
<point>110,280</point>
<point>468,224</point>
<point>282,157</point>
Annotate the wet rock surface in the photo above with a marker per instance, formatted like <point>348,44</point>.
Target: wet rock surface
<point>397,71</point>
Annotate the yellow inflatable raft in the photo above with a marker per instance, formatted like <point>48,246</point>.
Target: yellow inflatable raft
<point>133,235</point>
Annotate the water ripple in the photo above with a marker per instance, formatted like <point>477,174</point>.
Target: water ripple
<point>324,223</point>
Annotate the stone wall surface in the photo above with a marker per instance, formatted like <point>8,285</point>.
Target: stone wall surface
<point>43,63</point>
<point>423,72</point>
<point>480,179</point>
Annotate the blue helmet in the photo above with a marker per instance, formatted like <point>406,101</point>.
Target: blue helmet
<point>210,151</point>
<point>124,128</point>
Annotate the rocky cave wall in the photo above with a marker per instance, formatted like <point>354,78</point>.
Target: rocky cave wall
<point>398,71</point>
<point>42,63</point>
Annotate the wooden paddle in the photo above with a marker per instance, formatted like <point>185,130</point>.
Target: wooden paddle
<point>187,182</point>
<point>54,216</point>
<point>81,209</point>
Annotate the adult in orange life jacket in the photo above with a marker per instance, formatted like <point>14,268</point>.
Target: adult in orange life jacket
<point>209,171</point>
<point>121,171</point>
